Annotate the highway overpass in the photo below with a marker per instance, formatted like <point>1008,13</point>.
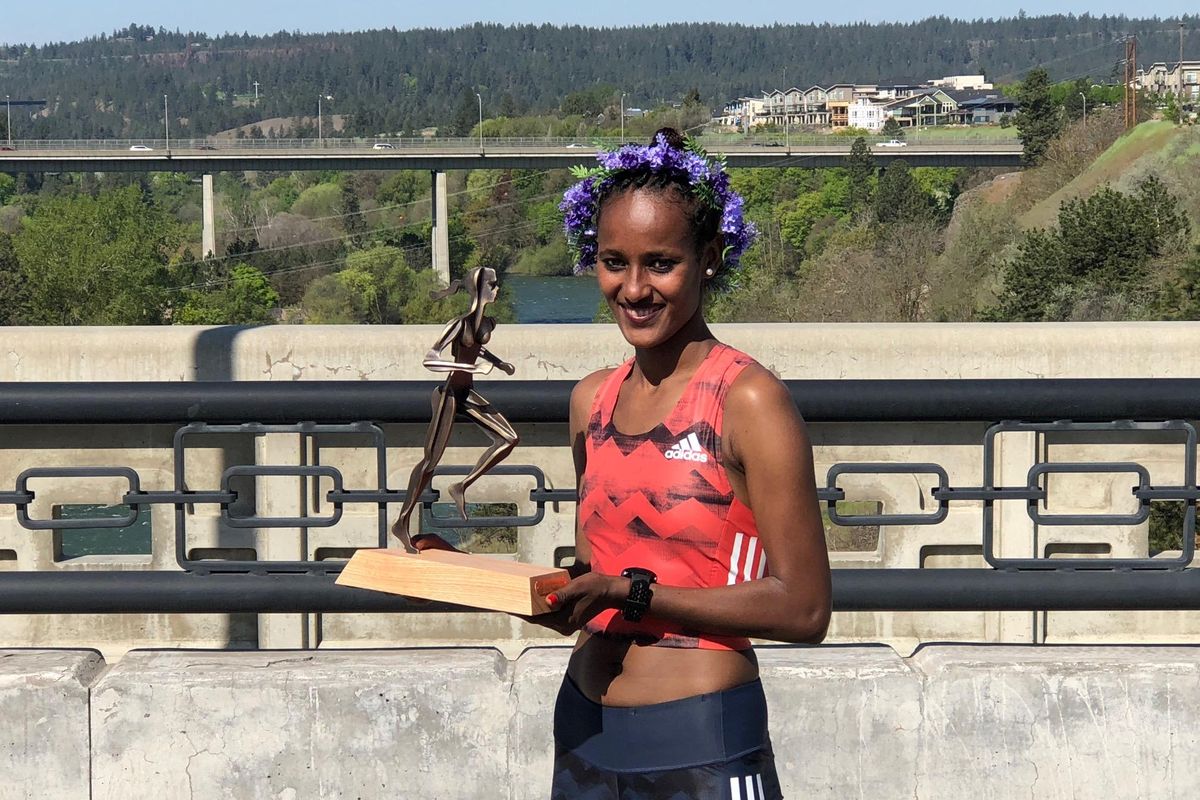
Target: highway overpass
<point>210,156</point>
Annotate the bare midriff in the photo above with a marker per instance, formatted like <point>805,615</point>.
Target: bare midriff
<point>619,672</point>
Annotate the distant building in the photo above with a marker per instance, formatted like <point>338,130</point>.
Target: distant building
<point>867,115</point>
<point>1161,78</point>
<point>953,100</point>
<point>961,82</point>
<point>743,114</point>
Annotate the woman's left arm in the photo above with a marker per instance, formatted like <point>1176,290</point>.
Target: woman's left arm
<point>769,444</point>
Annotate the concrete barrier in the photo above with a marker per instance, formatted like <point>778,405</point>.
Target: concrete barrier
<point>1060,722</point>
<point>302,725</point>
<point>982,721</point>
<point>44,735</point>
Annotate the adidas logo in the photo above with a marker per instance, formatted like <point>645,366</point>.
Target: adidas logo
<point>687,449</point>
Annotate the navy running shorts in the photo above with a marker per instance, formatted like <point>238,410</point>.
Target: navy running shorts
<point>709,747</point>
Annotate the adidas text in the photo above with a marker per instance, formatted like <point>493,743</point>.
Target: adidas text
<point>687,449</point>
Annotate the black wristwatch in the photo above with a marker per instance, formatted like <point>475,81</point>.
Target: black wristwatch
<point>640,593</point>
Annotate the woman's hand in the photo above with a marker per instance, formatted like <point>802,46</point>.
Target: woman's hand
<point>588,595</point>
<point>558,621</point>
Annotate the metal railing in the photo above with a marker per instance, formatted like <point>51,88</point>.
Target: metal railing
<point>467,145</point>
<point>1097,408</point>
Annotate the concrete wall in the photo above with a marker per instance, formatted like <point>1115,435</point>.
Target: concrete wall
<point>992,722</point>
<point>288,353</point>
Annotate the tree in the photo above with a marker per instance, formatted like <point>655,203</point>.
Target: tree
<point>1098,256</point>
<point>14,291</point>
<point>1039,119</point>
<point>899,198</point>
<point>245,298</point>
<point>861,167</point>
<point>98,261</point>
<point>892,129</point>
<point>1075,99</point>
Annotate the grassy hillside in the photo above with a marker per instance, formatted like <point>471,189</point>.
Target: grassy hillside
<point>1157,147</point>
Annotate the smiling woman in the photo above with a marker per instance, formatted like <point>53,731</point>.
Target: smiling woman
<point>697,525</point>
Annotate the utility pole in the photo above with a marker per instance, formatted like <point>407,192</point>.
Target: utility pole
<point>1130,78</point>
<point>166,123</point>
<point>1084,96</point>
<point>1179,70</point>
<point>256,91</point>
<point>8,114</point>
<point>622,117</point>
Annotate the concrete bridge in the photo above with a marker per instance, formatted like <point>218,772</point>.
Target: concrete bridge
<point>208,156</point>
<point>978,700</point>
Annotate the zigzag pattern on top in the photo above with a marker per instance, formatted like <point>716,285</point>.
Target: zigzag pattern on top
<point>691,513</point>
<point>661,434</point>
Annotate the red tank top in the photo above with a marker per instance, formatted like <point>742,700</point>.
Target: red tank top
<point>661,500</point>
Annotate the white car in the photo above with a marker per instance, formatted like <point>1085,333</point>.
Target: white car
<point>141,148</point>
<point>892,143</point>
<point>382,146</point>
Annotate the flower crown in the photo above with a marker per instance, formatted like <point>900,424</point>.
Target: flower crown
<point>706,175</point>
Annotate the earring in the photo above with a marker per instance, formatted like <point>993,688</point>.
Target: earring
<point>710,272</point>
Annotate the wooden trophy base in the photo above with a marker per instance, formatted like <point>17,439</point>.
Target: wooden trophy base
<point>459,578</point>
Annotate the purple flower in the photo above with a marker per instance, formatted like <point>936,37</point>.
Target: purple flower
<point>579,203</point>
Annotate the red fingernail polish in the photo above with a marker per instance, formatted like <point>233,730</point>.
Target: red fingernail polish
<point>552,599</point>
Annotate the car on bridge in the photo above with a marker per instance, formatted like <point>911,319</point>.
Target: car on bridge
<point>382,146</point>
<point>141,148</point>
<point>892,143</point>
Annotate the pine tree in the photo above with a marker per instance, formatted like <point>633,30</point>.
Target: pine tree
<point>1039,119</point>
<point>899,198</point>
<point>861,167</point>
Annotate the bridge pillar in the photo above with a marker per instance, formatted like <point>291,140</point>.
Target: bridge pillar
<point>441,228</point>
<point>208,238</point>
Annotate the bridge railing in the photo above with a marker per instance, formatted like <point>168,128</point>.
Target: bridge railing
<point>333,445</point>
<point>473,144</point>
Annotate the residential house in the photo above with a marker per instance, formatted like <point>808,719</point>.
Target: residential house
<point>931,107</point>
<point>1181,78</point>
<point>981,107</point>
<point>837,100</point>
<point>743,114</point>
<point>868,115</point>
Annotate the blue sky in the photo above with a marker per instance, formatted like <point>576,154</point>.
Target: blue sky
<point>56,20</point>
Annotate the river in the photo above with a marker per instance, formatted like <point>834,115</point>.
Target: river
<point>549,300</point>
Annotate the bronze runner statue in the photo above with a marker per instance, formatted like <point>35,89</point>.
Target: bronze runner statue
<point>465,336</point>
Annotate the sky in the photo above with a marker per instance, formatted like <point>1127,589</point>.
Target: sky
<point>67,20</point>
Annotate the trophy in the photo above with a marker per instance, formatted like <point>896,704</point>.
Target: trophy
<point>449,575</point>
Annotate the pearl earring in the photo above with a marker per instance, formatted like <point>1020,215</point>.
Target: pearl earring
<point>709,272</point>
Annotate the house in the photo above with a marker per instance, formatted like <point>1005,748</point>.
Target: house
<point>931,107</point>
<point>743,114</point>
<point>837,100</point>
<point>982,107</point>
<point>867,115</point>
<point>1183,78</point>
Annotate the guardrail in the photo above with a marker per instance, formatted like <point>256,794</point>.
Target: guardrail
<point>1118,409</point>
<point>472,144</point>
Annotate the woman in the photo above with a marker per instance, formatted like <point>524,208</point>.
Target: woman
<point>698,523</point>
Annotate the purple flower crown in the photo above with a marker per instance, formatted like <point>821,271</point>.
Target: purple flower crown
<point>706,175</point>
